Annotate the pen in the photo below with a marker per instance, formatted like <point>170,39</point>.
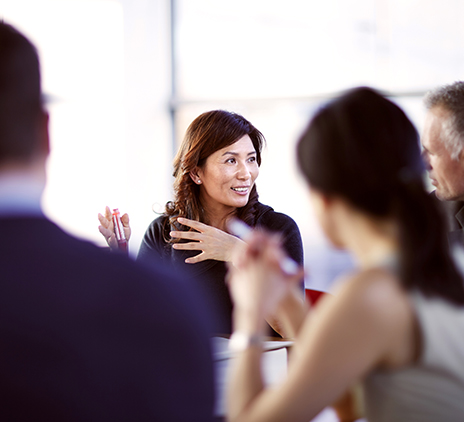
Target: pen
<point>243,231</point>
<point>119,230</point>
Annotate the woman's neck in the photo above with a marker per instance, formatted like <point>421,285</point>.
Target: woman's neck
<point>375,251</point>
<point>218,218</point>
<point>372,241</point>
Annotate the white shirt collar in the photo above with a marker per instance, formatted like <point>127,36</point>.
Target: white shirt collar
<point>20,194</point>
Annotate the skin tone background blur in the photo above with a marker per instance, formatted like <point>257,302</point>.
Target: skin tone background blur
<point>127,77</point>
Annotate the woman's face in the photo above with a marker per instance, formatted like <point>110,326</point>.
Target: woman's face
<point>227,177</point>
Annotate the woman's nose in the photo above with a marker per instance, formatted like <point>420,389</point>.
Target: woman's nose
<point>243,171</point>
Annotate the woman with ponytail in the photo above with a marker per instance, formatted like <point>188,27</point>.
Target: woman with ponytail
<point>396,323</point>
<point>215,171</point>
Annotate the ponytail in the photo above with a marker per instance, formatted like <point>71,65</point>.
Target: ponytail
<point>363,147</point>
<point>425,262</point>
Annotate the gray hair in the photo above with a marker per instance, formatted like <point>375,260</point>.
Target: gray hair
<point>451,98</point>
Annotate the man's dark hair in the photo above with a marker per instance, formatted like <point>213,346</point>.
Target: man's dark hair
<point>20,96</point>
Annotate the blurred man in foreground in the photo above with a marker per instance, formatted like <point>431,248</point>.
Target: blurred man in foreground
<point>86,335</point>
<point>443,143</point>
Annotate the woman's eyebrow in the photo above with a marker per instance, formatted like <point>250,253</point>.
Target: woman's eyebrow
<point>236,153</point>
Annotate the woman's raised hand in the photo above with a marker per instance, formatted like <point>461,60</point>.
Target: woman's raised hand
<point>257,281</point>
<point>106,228</point>
<point>212,242</point>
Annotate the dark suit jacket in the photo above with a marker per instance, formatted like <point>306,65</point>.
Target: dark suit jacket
<point>453,212</point>
<point>87,335</point>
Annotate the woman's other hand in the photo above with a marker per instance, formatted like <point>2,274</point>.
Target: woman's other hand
<point>257,282</point>
<point>106,228</point>
<point>212,242</point>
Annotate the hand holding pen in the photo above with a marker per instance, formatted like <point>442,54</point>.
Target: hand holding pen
<point>262,279</point>
<point>243,231</point>
<point>114,234</point>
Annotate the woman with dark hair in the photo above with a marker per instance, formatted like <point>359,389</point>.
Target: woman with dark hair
<point>215,171</point>
<point>397,322</point>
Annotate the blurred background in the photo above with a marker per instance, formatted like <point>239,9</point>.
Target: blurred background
<point>124,78</point>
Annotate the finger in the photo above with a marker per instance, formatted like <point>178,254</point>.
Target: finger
<point>103,221</point>
<point>108,214</point>
<point>195,259</point>
<point>192,223</point>
<point>191,246</point>
<point>125,220</point>
<point>105,232</point>
<point>186,235</point>
<point>256,244</point>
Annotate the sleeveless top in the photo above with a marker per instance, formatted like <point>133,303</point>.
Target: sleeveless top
<point>432,389</point>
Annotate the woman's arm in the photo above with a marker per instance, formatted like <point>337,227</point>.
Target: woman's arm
<point>291,313</point>
<point>367,324</point>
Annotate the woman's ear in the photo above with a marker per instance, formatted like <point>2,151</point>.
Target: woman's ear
<point>330,212</point>
<point>195,176</point>
<point>320,201</point>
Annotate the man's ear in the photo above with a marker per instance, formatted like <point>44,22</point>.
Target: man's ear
<point>195,176</point>
<point>44,134</point>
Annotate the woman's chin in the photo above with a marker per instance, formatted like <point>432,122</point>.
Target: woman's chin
<point>241,203</point>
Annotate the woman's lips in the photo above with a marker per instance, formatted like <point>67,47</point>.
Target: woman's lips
<point>241,190</point>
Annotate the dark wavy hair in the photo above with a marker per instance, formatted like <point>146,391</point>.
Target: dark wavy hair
<point>208,133</point>
<point>363,148</point>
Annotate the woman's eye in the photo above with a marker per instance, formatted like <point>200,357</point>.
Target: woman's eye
<point>231,160</point>
<point>252,159</point>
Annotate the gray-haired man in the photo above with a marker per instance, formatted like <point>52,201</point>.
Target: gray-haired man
<point>443,143</point>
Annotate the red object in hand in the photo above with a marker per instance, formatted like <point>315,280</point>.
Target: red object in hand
<point>119,231</point>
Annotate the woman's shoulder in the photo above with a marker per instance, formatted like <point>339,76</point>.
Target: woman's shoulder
<point>159,221</point>
<point>375,301</point>
<point>373,287</point>
<point>376,294</point>
<point>157,228</point>
<point>274,221</point>
<point>267,217</point>
<point>154,240</point>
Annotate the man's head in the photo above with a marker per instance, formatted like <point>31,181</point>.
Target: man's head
<point>443,140</point>
<point>23,123</point>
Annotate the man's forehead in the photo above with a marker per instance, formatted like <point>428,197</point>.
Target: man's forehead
<point>439,112</point>
<point>435,118</point>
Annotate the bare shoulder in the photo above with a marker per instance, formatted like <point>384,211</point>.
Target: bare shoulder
<point>375,289</point>
<point>376,298</point>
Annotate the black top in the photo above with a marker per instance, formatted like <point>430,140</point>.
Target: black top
<point>210,274</point>
<point>93,336</point>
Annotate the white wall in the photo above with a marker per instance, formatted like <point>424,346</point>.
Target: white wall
<point>107,63</point>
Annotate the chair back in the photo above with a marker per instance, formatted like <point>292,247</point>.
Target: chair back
<point>312,296</point>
